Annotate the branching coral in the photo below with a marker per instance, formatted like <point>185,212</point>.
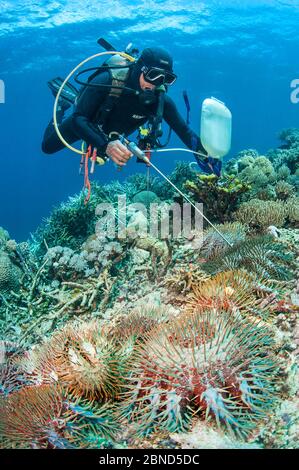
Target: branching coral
<point>259,215</point>
<point>220,196</point>
<point>261,255</point>
<point>288,154</point>
<point>67,225</point>
<point>213,364</point>
<point>272,176</point>
<point>70,223</point>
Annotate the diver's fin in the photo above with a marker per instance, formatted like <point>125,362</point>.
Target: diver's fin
<point>69,92</point>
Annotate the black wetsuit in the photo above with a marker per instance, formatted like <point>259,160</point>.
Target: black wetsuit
<point>126,116</point>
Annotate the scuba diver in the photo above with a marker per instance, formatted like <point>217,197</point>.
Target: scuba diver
<point>102,113</point>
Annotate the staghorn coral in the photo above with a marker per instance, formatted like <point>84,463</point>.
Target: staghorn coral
<point>220,196</point>
<point>262,255</point>
<point>259,215</point>
<point>70,223</point>
<point>212,364</point>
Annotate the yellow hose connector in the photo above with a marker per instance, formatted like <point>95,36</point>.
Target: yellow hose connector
<point>73,149</point>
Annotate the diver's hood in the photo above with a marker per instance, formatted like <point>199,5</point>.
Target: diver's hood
<point>146,97</point>
<point>133,80</point>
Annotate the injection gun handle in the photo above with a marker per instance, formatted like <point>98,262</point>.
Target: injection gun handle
<point>135,149</point>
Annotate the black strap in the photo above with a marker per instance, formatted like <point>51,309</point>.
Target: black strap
<point>110,100</point>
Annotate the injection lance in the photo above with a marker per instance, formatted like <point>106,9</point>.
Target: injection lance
<point>141,155</point>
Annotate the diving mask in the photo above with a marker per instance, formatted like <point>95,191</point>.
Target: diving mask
<point>157,76</point>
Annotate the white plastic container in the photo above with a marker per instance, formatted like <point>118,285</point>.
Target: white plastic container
<point>216,127</point>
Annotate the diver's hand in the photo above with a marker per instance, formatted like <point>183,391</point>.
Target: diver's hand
<point>209,165</point>
<point>118,152</point>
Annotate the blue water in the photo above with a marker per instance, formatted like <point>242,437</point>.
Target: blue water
<point>243,52</point>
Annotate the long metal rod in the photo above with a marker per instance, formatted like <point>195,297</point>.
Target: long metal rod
<point>141,155</point>
<point>191,203</point>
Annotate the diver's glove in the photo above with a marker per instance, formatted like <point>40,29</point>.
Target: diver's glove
<point>210,165</point>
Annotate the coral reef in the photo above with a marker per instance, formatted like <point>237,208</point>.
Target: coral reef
<point>288,153</point>
<point>4,237</point>
<point>117,338</point>
<point>145,197</point>
<point>10,274</point>
<point>271,176</point>
<point>259,255</point>
<point>220,196</point>
<point>292,210</point>
<point>259,215</point>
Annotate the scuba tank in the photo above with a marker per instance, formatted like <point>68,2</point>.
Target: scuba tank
<point>216,127</point>
<point>117,65</point>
